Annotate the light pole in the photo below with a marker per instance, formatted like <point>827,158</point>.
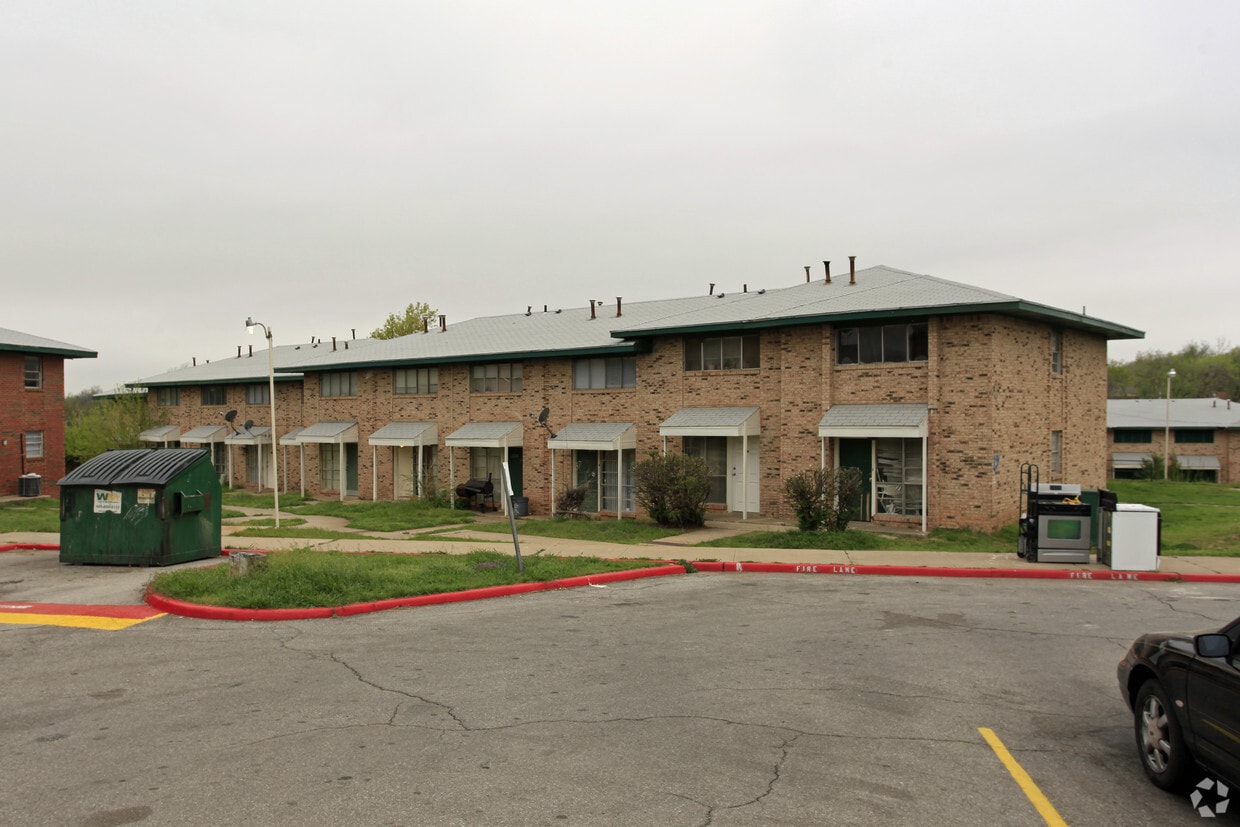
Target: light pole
<point>1167,430</point>
<point>250,324</point>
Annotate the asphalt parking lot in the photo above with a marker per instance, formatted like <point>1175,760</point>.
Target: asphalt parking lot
<point>693,700</point>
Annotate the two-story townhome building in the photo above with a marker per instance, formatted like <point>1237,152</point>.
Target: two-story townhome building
<point>1202,436</point>
<point>937,391</point>
<point>32,408</point>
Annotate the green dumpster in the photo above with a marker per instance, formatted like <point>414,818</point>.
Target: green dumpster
<point>141,507</point>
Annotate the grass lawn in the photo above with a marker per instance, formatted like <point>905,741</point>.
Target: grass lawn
<point>629,532</point>
<point>943,539</point>
<point>305,579</point>
<point>41,514</point>
<point>1198,519</point>
<point>386,516</point>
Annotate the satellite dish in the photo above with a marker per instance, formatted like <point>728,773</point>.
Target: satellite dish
<point>229,417</point>
<point>542,416</point>
<point>249,423</point>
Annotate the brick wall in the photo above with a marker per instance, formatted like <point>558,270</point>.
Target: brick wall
<point>24,410</point>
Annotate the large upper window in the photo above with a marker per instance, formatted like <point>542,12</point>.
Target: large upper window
<point>1199,435</point>
<point>214,395</point>
<point>32,377</point>
<point>883,343</point>
<point>258,394</point>
<point>504,377</point>
<point>722,352</point>
<point>1136,436</point>
<point>612,372</point>
<point>343,383</point>
<point>168,397</point>
<point>416,380</point>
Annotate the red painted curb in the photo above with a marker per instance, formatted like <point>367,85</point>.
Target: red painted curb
<point>938,571</point>
<point>197,610</point>
<point>29,547</point>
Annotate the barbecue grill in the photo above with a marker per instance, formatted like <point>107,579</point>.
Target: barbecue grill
<point>480,491</point>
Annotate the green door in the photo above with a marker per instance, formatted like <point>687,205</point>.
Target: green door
<point>859,454</point>
<point>350,468</point>
<point>516,461</point>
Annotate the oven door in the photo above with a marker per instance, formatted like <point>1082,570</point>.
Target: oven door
<point>1064,526</point>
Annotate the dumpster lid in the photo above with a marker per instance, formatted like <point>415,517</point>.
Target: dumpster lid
<point>101,470</point>
<point>160,467</point>
<point>135,465</point>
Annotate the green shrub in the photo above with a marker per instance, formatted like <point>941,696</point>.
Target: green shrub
<point>673,489</point>
<point>819,497</point>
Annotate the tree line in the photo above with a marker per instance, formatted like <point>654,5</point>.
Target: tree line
<point>1201,371</point>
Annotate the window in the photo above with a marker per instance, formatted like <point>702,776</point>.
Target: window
<point>34,444</point>
<point>612,372</point>
<point>343,383</point>
<point>416,380</point>
<point>504,377</point>
<point>722,352</point>
<point>258,394</point>
<point>1056,352</point>
<point>608,480</point>
<point>908,342</point>
<point>1198,436</point>
<point>487,463</point>
<point>713,449</point>
<point>168,397</point>
<point>1056,452</point>
<point>1136,436</point>
<point>33,374</point>
<point>898,475</point>
<point>214,395</point>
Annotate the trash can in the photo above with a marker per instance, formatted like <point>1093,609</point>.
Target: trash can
<point>520,506</point>
<point>141,507</point>
<point>29,485</point>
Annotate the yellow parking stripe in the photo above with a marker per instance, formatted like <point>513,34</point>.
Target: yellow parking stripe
<point>1044,807</point>
<point>108,624</point>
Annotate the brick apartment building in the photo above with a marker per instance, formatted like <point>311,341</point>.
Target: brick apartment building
<point>32,408</point>
<point>1201,435</point>
<point>936,390</point>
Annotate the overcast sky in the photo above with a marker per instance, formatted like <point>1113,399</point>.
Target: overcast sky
<point>168,168</point>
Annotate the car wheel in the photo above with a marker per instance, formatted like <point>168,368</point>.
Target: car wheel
<point>1159,740</point>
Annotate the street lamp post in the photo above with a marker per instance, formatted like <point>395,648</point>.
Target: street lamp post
<point>250,324</point>
<point>1167,430</point>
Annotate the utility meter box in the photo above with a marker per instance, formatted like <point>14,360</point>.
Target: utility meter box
<point>141,507</point>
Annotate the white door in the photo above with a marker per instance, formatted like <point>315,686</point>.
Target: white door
<point>743,492</point>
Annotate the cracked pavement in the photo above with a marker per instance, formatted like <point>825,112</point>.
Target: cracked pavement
<point>698,700</point>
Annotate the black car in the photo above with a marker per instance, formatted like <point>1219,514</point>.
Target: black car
<point>1184,692</point>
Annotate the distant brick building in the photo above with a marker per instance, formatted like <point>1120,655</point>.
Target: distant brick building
<point>937,391</point>
<point>1201,435</point>
<point>32,408</point>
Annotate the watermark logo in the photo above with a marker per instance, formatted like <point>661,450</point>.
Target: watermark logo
<point>1209,798</point>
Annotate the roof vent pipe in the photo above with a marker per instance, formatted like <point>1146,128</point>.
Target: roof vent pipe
<point>744,288</point>
<point>443,324</point>
<point>529,308</point>
<point>346,344</point>
<point>238,351</point>
<point>591,308</point>
<point>807,274</point>
<point>353,330</point>
<point>333,343</point>
<point>251,351</point>
<point>852,269</point>
<point>426,325</point>
<point>712,288</point>
<point>195,358</point>
<point>544,308</point>
<point>618,307</point>
<point>826,265</point>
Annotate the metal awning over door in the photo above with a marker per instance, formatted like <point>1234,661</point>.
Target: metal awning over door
<point>400,435</point>
<point>161,433</point>
<point>734,422</point>
<point>616,437</point>
<point>330,433</point>
<point>502,435</point>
